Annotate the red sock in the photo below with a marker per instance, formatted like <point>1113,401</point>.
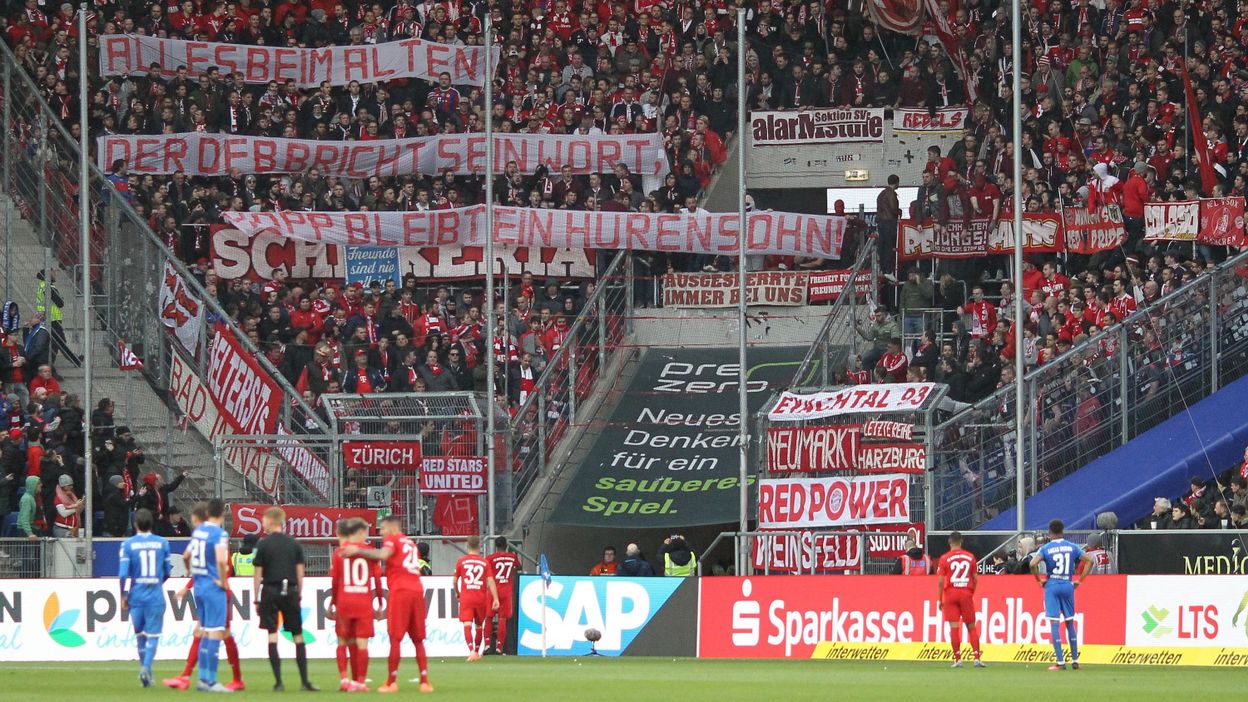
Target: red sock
<point>489,631</point>
<point>191,657</point>
<point>480,640</point>
<point>360,658</point>
<point>955,639</point>
<point>469,638</point>
<point>502,634</point>
<point>231,651</point>
<point>422,661</point>
<point>341,652</point>
<point>973,635</point>
<point>354,654</point>
<point>395,656</point>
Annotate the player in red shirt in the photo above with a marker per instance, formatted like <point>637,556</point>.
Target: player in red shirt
<point>955,596</point>
<point>405,613</point>
<point>354,580</point>
<point>505,566</point>
<point>471,582</point>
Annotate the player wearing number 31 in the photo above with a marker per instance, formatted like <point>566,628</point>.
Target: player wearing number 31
<point>471,582</point>
<point>144,567</point>
<point>1062,561</point>
<point>955,596</point>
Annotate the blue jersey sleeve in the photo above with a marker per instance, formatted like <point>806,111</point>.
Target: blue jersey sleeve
<point>123,564</point>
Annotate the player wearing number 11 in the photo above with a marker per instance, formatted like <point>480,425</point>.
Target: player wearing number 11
<point>955,596</point>
<point>144,567</point>
<point>1062,561</point>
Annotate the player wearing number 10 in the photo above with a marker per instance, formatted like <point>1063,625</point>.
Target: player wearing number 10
<point>145,568</point>
<point>1062,561</point>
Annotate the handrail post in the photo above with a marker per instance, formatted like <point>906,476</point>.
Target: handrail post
<point>1124,382</point>
<point>1214,328</point>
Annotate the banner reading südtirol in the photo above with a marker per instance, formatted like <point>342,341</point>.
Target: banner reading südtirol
<point>668,456</point>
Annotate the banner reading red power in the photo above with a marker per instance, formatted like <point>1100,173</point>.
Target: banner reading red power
<point>381,455</point>
<point>301,522</point>
<point>786,616</point>
<point>248,398</point>
<point>833,502</point>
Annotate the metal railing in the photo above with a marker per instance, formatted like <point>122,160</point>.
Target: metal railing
<point>1093,399</point>
<point>837,333</point>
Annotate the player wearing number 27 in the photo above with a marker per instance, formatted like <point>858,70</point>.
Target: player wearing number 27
<point>144,568</point>
<point>472,582</point>
<point>1062,574</point>
<point>955,596</point>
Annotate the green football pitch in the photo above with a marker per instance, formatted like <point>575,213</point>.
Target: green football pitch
<point>599,679</point>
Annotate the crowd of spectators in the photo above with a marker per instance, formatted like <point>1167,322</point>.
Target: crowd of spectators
<point>1221,504</point>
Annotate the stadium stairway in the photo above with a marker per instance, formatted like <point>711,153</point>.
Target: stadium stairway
<point>137,404</point>
<point>1203,441</point>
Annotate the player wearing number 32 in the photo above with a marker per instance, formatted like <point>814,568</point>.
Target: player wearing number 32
<point>144,568</point>
<point>471,582</point>
<point>1062,561</point>
<point>955,596</point>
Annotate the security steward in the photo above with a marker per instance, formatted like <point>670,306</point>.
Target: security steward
<point>244,559</point>
<point>278,580</point>
<point>678,560</point>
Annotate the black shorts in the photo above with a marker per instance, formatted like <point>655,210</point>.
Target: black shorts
<point>273,602</point>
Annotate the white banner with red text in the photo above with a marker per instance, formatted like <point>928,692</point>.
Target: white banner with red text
<point>778,233</point>
<point>858,399</point>
<point>81,619</point>
<point>702,290</point>
<point>977,237</point>
<point>133,54</point>
<point>789,503</point>
<point>247,396</point>
<point>940,120</point>
<point>302,522</point>
<point>1172,221</point>
<point>825,125</point>
<point>1214,221</point>
<point>211,154</point>
<point>180,311</point>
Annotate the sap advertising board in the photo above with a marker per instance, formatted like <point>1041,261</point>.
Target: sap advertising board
<point>637,616</point>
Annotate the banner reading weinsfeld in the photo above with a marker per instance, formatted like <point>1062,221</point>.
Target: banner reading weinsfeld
<point>132,54</point>
<point>778,233</point>
<point>978,237</point>
<point>453,475</point>
<point>702,290</point>
<point>858,399</point>
<point>812,551</point>
<point>829,125</point>
<point>247,396</point>
<point>942,120</point>
<point>381,455</point>
<point>210,154</point>
<point>833,502</point>
<point>1172,221</point>
<point>302,522</point>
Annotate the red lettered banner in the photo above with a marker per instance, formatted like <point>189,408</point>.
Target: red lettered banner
<point>1222,221</point>
<point>897,397</point>
<point>701,290</point>
<point>826,286</point>
<point>453,475</point>
<point>778,233</point>
<point>237,255</point>
<point>978,237</point>
<point>920,119</point>
<point>180,312</point>
<point>1090,232</point>
<point>813,449</point>
<point>891,458</point>
<point>132,54</point>
<point>381,455</point>
<point>302,522</point>
<point>205,154</point>
<point>247,397</point>
<point>831,125</point>
<point>1172,221</point>
<point>789,503</point>
<point>787,616</point>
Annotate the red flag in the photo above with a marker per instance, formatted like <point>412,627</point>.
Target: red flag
<point>128,360</point>
<point>1200,145</point>
<point>909,17</point>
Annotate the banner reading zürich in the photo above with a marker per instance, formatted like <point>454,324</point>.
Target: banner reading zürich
<point>668,456</point>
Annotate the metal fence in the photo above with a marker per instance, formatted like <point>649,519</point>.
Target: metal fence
<point>837,341</point>
<point>1101,394</point>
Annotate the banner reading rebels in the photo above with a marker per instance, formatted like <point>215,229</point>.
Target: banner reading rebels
<point>247,397</point>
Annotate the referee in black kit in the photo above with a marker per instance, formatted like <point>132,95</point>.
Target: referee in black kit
<point>278,582</point>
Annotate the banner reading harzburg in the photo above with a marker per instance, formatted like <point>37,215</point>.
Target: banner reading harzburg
<point>778,233</point>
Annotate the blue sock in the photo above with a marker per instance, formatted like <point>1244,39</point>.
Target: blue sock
<point>208,650</point>
<point>149,652</point>
<point>1074,644</point>
<point>1055,628</point>
<point>141,641</point>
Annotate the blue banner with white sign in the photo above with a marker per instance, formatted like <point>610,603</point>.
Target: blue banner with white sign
<point>366,264</point>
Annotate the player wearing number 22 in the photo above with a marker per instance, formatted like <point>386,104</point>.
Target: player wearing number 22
<point>478,595</point>
<point>144,568</point>
<point>1062,574</point>
<point>957,579</point>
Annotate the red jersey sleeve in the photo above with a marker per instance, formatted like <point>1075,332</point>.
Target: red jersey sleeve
<point>335,577</point>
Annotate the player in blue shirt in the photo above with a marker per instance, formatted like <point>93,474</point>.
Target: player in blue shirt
<point>1062,561</point>
<point>207,559</point>
<point>144,569</point>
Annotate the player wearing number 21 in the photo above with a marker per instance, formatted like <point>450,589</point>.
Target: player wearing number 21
<point>955,596</point>
<point>471,582</point>
<point>1062,574</point>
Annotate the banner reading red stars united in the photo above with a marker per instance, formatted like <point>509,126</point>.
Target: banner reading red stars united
<point>777,233</point>
<point>132,54</point>
<point>204,154</point>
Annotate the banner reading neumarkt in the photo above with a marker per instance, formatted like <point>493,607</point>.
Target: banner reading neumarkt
<point>668,456</point>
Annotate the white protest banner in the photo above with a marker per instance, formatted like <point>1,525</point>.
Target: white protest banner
<point>943,120</point>
<point>858,399</point>
<point>1172,221</point>
<point>247,396</point>
<point>238,255</point>
<point>702,290</point>
<point>829,125</point>
<point>132,54</point>
<point>450,475</point>
<point>829,502</point>
<point>468,262</point>
<point>212,154</point>
<point>778,233</point>
<point>180,312</point>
